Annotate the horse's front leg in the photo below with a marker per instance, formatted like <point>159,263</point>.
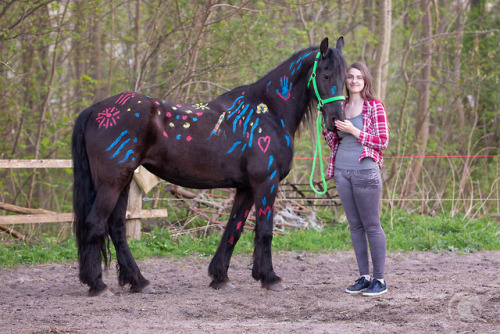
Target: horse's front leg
<point>243,201</point>
<point>262,257</point>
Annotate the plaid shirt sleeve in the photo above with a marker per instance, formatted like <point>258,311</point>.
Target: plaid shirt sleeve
<point>376,136</point>
<point>332,140</point>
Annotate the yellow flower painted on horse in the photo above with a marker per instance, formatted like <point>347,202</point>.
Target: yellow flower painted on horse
<point>202,106</point>
<point>262,108</point>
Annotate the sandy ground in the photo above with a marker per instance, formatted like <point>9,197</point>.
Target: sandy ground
<point>428,292</point>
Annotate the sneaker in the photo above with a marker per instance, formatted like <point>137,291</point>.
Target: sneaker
<point>361,284</point>
<point>376,288</point>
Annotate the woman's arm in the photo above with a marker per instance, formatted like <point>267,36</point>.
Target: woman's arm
<point>379,140</point>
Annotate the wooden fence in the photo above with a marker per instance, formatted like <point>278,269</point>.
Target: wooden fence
<point>142,183</point>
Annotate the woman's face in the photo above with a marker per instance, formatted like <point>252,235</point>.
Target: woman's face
<point>355,81</point>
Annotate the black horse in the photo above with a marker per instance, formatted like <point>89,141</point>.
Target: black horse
<point>244,139</point>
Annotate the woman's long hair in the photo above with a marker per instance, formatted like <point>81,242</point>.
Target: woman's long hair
<point>367,93</point>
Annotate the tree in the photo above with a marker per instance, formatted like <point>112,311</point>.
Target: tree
<point>435,66</point>
<point>421,136</point>
<point>380,69</point>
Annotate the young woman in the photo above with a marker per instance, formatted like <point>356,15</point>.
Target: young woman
<point>355,165</point>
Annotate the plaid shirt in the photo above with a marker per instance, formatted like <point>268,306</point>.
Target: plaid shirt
<point>374,137</point>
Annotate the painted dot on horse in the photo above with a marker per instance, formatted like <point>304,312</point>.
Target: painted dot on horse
<point>244,139</point>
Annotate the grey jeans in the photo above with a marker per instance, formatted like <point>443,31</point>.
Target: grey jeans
<point>359,192</point>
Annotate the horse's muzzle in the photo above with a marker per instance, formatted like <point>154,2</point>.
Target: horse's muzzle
<point>330,120</point>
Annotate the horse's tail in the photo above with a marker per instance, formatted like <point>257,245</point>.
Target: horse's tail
<point>84,192</point>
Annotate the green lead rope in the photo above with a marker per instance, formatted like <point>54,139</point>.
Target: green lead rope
<point>317,152</point>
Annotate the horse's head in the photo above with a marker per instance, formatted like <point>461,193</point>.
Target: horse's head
<point>327,82</point>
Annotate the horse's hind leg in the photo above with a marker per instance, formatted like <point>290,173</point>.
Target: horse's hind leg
<point>243,201</point>
<point>93,242</point>
<point>128,271</point>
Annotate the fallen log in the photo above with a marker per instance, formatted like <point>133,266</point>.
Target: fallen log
<point>12,232</point>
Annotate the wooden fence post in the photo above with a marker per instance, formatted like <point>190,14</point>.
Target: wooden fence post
<point>134,207</point>
<point>141,184</point>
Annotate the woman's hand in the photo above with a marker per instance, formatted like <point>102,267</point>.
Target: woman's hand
<point>346,126</point>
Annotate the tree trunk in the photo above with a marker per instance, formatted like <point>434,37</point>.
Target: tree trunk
<point>193,55</point>
<point>369,8</point>
<point>380,69</point>
<point>27,105</point>
<point>137,56</point>
<point>111,47</point>
<point>423,89</point>
<point>46,100</point>
<point>457,93</point>
<point>96,66</point>
<point>79,53</point>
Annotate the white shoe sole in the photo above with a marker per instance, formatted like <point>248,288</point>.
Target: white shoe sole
<point>373,294</point>
<point>354,292</point>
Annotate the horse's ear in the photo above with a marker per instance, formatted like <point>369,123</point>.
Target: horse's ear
<point>340,44</point>
<point>323,48</point>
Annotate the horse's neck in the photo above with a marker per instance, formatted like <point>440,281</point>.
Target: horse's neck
<point>283,92</point>
<point>292,80</point>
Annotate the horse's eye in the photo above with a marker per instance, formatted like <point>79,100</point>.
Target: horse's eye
<point>326,76</point>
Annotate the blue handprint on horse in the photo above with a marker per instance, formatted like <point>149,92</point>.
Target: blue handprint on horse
<point>286,88</point>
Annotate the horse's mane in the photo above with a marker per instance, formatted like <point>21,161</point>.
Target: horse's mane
<point>278,69</point>
<point>286,63</point>
<point>310,114</point>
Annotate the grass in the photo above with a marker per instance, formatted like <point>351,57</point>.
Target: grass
<point>409,232</point>
<point>417,232</point>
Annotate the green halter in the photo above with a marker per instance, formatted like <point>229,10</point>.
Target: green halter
<point>321,102</point>
<point>317,150</point>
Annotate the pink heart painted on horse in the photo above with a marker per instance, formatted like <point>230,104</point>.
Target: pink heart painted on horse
<point>264,143</point>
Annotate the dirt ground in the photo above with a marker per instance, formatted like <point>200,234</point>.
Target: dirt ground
<point>428,292</point>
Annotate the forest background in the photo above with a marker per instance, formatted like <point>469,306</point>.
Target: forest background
<point>435,65</point>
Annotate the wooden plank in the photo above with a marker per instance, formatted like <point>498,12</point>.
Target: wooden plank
<point>36,163</point>
<point>144,214</point>
<point>20,209</point>
<point>68,217</point>
<point>37,218</point>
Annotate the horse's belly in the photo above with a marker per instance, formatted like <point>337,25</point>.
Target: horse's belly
<point>198,178</point>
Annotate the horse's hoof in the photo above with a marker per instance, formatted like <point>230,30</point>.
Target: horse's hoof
<point>107,293</point>
<point>148,289</point>
<point>144,289</point>
<point>103,293</point>
<point>276,287</point>
<point>227,286</point>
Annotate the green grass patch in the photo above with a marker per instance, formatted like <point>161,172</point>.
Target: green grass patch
<point>46,251</point>
<point>416,232</point>
<point>404,232</point>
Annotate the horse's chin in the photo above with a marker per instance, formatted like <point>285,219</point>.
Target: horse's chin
<point>331,127</point>
<point>330,122</point>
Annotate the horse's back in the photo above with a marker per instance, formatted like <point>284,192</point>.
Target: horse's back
<point>203,145</point>
<point>171,140</point>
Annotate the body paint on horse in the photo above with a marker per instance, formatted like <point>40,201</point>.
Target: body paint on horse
<point>110,179</point>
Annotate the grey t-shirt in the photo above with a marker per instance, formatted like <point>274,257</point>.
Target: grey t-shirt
<point>350,149</point>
